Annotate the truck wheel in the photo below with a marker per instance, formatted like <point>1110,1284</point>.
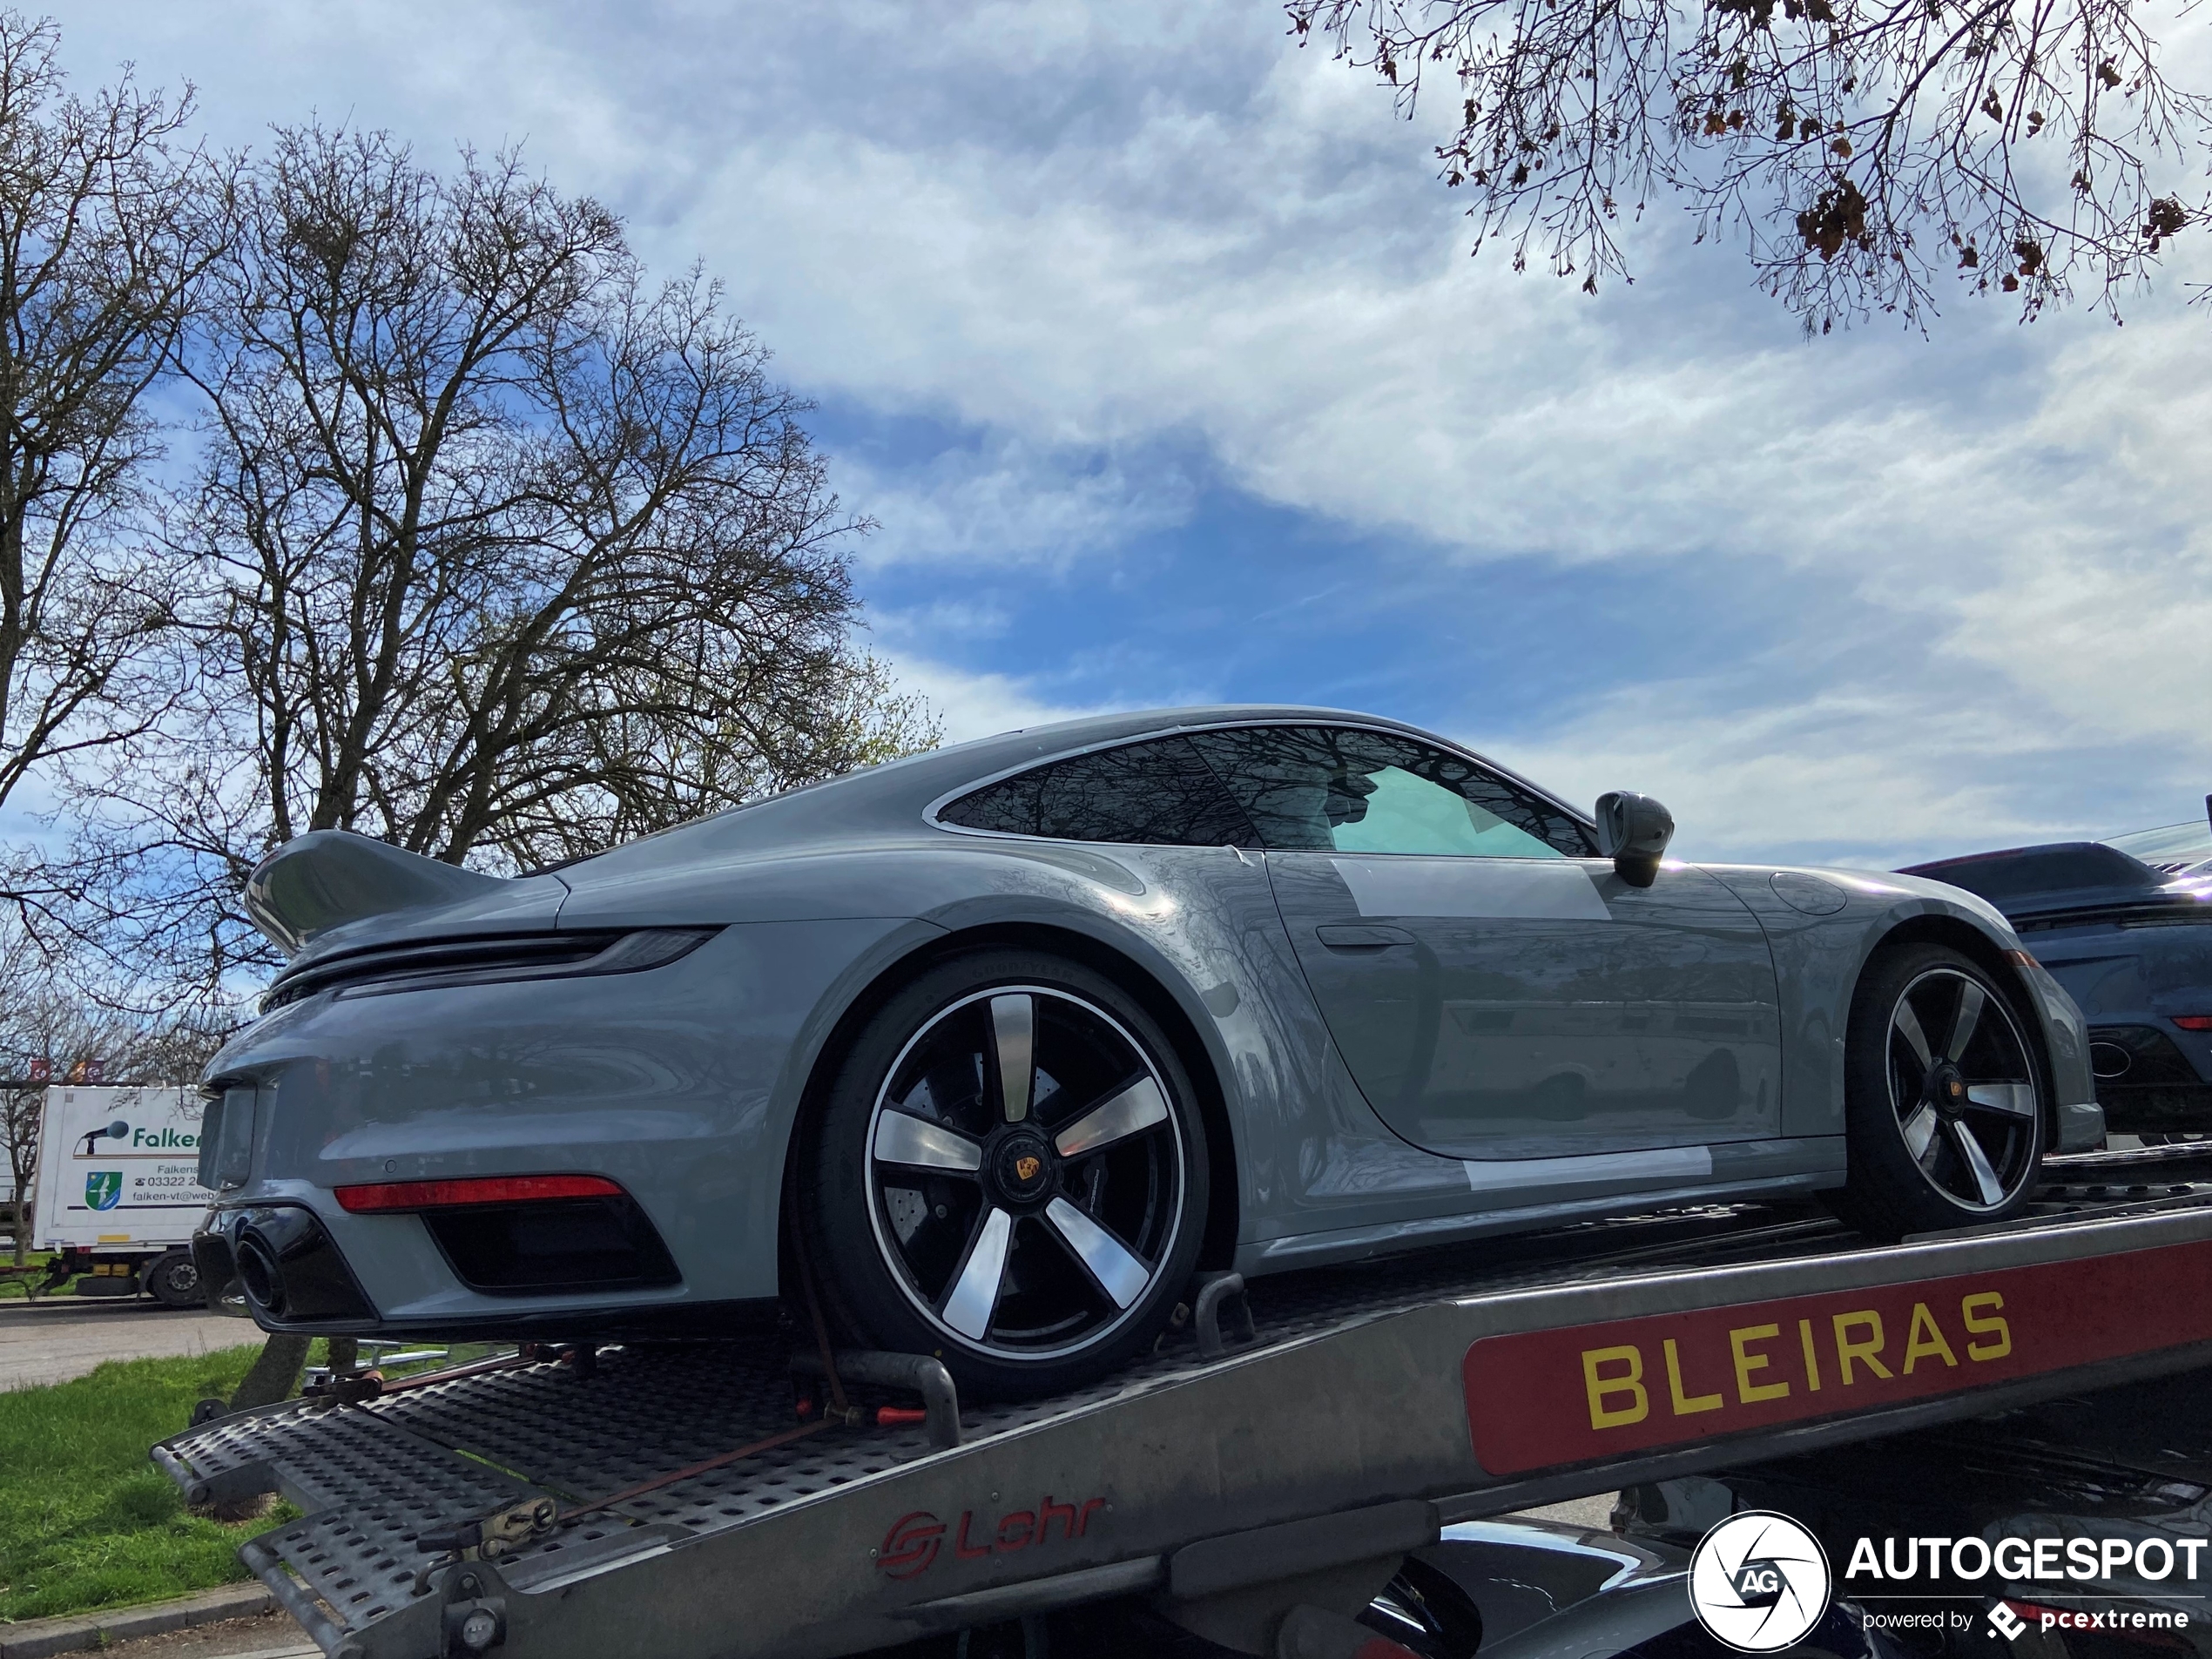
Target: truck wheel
<point>1947,1104</point>
<point>1009,1173</point>
<point>174,1280</point>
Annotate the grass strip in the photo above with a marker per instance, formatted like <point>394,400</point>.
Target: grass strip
<point>86,1521</point>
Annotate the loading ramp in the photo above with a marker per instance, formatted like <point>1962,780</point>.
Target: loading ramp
<point>669,1498</point>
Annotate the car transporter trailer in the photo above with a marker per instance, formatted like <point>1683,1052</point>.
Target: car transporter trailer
<point>1280,1449</point>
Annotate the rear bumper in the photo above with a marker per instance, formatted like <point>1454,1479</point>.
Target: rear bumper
<point>2152,1075</point>
<point>2158,1107</point>
<point>284,1265</point>
<point>678,1084</point>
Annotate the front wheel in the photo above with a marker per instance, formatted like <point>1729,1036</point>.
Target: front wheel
<point>1010,1174</point>
<point>1946,1100</point>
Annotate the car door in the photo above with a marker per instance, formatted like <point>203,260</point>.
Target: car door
<point>1497,990</point>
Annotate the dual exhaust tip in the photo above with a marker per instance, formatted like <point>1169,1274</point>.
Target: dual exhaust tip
<point>289,1269</point>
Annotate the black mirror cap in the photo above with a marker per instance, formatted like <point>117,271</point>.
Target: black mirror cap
<point>1633,831</point>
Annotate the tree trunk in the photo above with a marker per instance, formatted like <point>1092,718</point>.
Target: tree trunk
<point>274,1375</point>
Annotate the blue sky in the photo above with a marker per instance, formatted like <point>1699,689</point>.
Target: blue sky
<point>1151,343</point>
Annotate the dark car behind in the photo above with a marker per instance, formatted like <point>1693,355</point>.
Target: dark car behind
<point>2126,926</point>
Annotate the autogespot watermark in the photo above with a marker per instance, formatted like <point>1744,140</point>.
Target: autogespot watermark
<point>2010,1619</point>
<point>1759,1581</point>
<point>2157,1570</point>
<point>2025,1560</point>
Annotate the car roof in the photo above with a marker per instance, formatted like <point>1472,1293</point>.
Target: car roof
<point>2016,873</point>
<point>2061,878</point>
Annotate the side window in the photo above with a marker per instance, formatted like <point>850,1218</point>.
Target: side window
<point>1333,788</point>
<point>1157,792</point>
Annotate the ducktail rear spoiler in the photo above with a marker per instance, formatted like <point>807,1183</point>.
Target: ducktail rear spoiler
<point>327,878</point>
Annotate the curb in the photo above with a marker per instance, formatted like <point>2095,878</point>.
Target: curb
<point>38,1638</point>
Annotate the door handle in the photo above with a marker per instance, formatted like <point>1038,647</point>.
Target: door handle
<point>1337,936</point>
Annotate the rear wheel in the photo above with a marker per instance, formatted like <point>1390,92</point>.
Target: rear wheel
<point>1947,1101</point>
<point>1010,1174</point>
<point>173,1281</point>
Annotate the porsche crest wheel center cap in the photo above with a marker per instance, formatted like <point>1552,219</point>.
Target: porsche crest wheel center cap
<point>1948,1090</point>
<point>1022,1167</point>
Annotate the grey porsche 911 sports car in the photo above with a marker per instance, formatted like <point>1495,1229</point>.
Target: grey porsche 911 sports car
<point>988,1049</point>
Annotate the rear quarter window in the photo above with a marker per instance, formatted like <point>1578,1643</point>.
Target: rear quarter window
<point>1161,793</point>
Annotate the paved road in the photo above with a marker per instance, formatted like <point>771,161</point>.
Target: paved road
<point>271,1635</point>
<point>1593,1514</point>
<point>57,1338</point>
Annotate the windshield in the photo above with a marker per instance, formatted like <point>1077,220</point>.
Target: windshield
<point>2172,849</point>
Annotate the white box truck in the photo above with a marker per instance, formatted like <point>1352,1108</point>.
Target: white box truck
<point>118,1190</point>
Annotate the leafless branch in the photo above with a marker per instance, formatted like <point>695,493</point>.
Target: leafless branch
<point>108,221</point>
<point>498,551</point>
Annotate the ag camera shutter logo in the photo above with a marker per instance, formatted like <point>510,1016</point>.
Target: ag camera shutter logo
<point>1759,1581</point>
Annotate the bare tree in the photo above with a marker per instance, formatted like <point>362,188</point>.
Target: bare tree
<point>22,1108</point>
<point>1865,148</point>
<point>503,551</point>
<point>108,220</point>
<point>54,1027</point>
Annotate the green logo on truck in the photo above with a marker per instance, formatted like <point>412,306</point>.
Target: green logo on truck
<point>103,1189</point>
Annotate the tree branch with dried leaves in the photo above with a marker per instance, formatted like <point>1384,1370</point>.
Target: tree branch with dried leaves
<point>1873,154</point>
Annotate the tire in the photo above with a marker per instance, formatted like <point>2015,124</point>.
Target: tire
<point>173,1281</point>
<point>1030,1244</point>
<point>1947,1103</point>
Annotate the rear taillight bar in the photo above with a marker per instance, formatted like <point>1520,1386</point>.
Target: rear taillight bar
<point>383,1196</point>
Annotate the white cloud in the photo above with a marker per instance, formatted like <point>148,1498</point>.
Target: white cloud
<point>980,706</point>
<point>1807,782</point>
<point>1087,238</point>
<point>1014,505</point>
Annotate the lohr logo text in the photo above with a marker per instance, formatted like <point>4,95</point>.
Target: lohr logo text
<point>911,1548</point>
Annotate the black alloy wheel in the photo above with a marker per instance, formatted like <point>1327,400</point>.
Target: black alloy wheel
<point>1946,1098</point>
<point>1009,1175</point>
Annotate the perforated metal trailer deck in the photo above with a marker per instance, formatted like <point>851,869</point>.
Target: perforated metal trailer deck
<point>1366,1407</point>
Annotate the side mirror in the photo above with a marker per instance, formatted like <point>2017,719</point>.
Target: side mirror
<point>1633,831</point>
